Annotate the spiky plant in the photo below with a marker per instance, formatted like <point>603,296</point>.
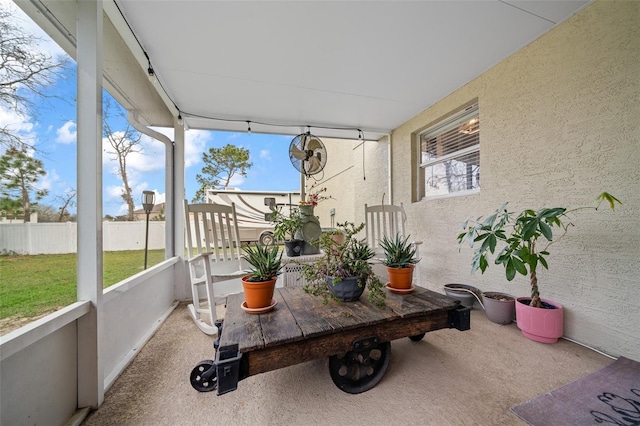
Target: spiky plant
<point>266,262</point>
<point>341,260</point>
<point>398,253</point>
<point>521,252</point>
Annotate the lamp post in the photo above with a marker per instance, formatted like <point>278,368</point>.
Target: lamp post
<point>148,200</point>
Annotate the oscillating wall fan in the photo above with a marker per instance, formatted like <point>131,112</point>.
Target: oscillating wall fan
<point>307,154</point>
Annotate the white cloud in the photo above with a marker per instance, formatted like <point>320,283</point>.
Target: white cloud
<point>19,125</point>
<point>195,145</point>
<point>67,133</point>
<point>265,154</point>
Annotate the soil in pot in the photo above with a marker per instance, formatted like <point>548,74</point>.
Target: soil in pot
<point>466,294</point>
<point>499,307</point>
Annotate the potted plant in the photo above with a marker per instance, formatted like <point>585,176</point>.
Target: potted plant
<point>266,265</point>
<point>400,260</point>
<point>288,226</point>
<point>526,238</point>
<point>344,271</point>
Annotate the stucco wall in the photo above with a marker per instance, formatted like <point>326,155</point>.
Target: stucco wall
<point>347,184</point>
<point>560,123</point>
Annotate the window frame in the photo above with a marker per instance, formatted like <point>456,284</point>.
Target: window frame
<point>443,126</point>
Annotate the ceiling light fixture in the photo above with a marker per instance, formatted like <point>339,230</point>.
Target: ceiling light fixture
<point>248,127</point>
<point>180,121</point>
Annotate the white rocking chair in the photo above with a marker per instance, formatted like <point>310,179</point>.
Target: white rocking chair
<point>214,258</point>
<point>387,220</point>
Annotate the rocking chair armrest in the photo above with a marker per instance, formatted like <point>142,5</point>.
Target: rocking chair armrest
<point>203,255</point>
<point>240,273</point>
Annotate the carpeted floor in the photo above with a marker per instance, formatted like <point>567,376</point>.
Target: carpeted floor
<point>611,395</point>
<point>448,378</point>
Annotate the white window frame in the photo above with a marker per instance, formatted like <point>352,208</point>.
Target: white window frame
<point>443,126</point>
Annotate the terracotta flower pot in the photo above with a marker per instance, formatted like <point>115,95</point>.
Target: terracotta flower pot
<point>543,325</point>
<point>258,294</point>
<point>400,278</point>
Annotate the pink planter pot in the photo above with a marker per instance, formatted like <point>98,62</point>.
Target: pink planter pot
<point>540,324</point>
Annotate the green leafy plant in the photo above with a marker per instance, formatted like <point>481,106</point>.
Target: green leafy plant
<point>346,258</point>
<point>520,236</point>
<point>398,253</point>
<point>266,262</point>
<point>286,225</point>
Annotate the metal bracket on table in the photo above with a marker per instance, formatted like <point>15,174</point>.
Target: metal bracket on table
<point>460,318</point>
<point>218,324</point>
<point>365,344</point>
<point>227,366</point>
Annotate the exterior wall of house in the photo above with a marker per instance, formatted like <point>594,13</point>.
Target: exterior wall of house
<point>351,182</point>
<point>559,124</point>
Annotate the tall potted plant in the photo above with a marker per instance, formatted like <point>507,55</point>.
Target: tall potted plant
<point>344,271</point>
<point>266,265</point>
<point>400,260</point>
<point>288,226</point>
<point>526,241</point>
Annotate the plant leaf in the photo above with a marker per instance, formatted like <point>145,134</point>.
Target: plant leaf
<point>605,196</point>
<point>546,231</point>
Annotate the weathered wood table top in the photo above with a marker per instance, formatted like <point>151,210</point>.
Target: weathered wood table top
<point>301,327</point>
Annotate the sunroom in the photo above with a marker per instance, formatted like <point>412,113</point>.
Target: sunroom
<point>555,86</point>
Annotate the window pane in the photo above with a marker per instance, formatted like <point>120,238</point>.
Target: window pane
<point>460,173</point>
<point>464,135</point>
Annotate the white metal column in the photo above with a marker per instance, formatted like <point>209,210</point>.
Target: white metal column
<point>174,199</point>
<point>89,149</point>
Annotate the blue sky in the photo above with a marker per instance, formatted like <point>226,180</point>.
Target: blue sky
<point>53,131</point>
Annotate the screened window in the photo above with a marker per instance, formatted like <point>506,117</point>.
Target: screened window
<point>450,155</point>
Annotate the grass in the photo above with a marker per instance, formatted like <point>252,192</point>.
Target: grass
<point>31,286</point>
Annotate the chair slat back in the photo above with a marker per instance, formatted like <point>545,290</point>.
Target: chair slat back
<point>383,220</point>
<point>213,228</point>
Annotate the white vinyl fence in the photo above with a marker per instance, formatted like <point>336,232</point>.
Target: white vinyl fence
<point>59,238</point>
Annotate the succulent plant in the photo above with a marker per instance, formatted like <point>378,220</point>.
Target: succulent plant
<point>266,262</point>
<point>399,253</point>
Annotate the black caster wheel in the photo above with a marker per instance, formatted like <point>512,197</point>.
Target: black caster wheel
<point>203,376</point>
<point>357,372</point>
<point>417,337</point>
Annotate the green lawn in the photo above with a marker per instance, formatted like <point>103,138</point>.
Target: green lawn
<point>31,286</point>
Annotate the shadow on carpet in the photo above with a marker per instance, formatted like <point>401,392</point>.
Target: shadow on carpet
<point>611,395</point>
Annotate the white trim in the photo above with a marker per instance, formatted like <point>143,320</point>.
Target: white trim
<point>119,368</point>
<point>453,155</point>
<point>452,194</point>
<point>127,284</point>
<point>19,339</point>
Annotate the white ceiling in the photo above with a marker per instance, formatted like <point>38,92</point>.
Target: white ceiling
<point>371,65</point>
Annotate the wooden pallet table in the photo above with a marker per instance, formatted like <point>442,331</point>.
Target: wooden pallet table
<point>355,336</point>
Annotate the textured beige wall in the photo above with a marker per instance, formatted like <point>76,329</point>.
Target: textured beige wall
<point>560,123</point>
<point>348,185</point>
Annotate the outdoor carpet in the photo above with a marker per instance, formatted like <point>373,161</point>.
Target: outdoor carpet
<point>610,395</point>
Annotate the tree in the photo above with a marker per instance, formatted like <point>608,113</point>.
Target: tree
<point>123,143</point>
<point>24,71</point>
<point>221,164</point>
<point>67,200</point>
<point>19,174</point>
